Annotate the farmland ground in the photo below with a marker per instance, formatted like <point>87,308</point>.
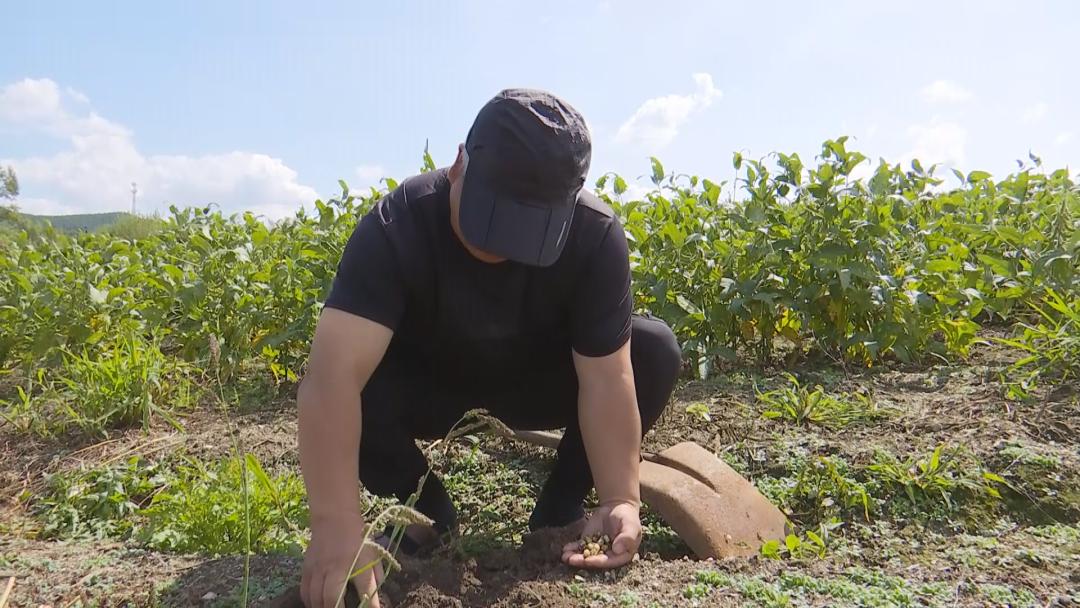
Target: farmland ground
<point>1022,550</point>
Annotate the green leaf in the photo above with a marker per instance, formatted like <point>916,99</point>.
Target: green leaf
<point>994,477</point>
<point>657,170</point>
<point>792,542</point>
<point>977,176</point>
<point>1010,234</point>
<point>24,282</point>
<point>174,272</point>
<point>943,265</point>
<point>429,162</point>
<point>935,459</point>
<point>688,306</point>
<point>997,264</point>
<point>620,184</point>
<point>200,243</point>
<point>260,474</point>
<point>771,549</point>
<point>832,251</point>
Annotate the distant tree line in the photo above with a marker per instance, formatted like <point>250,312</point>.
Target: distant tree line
<point>9,184</point>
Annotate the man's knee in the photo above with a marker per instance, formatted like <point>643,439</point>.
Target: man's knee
<point>657,360</point>
<point>655,348</point>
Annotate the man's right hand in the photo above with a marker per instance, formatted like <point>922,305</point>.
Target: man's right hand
<point>329,560</point>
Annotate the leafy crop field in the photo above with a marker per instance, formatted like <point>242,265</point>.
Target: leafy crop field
<point>892,359</point>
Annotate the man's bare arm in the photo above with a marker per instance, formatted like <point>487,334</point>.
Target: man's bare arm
<point>344,353</point>
<point>610,424</point>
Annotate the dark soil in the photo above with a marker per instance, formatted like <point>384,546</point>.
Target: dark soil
<point>1027,553</point>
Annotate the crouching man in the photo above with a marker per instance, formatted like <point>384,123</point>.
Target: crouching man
<point>497,283</point>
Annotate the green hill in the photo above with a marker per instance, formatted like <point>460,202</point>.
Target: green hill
<point>80,221</point>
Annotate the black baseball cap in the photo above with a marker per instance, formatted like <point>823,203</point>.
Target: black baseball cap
<point>528,154</point>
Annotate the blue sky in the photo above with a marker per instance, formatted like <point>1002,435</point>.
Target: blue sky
<point>265,105</point>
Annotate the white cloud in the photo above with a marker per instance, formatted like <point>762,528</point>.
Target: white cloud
<point>1063,138</point>
<point>656,123</point>
<point>944,91</point>
<point>940,142</point>
<point>78,96</point>
<point>1034,113</point>
<point>94,173</point>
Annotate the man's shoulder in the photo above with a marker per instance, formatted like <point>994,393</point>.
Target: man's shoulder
<point>593,219</point>
<point>414,197</point>
<point>595,223</point>
<point>593,207</point>
<point>430,183</point>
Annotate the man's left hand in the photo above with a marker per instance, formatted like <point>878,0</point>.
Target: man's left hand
<point>621,523</point>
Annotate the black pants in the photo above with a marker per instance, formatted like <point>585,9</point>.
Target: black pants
<point>403,402</point>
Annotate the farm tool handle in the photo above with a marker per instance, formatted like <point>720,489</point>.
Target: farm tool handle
<point>7,592</point>
<point>551,439</point>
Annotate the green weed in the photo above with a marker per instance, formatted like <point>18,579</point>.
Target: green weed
<point>700,411</point>
<point>696,591</point>
<point>751,588</point>
<point>128,384</point>
<point>704,583</point>
<point>202,510</point>
<point>826,486</point>
<point>1060,534</point>
<point>1000,595</point>
<point>941,477</point>
<point>808,545</point>
<point>820,487</point>
<point>800,405</point>
<point>1051,344</point>
<point>1018,453</point>
<point>25,413</point>
<point>99,503</point>
<point>861,588</point>
<point>592,596</point>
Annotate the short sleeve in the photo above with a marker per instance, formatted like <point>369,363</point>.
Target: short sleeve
<point>602,302</point>
<point>368,282</point>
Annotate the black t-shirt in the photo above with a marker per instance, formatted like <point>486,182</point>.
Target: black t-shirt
<point>404,267</point>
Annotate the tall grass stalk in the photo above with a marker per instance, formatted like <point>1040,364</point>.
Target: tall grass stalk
<point>403,515</point>
<point>243,456</point>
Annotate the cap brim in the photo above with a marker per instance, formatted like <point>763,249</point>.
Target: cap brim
<point>527,231</point>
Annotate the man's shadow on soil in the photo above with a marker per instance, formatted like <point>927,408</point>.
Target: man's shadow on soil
<point>500,574</point>
<point>219,581</point>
